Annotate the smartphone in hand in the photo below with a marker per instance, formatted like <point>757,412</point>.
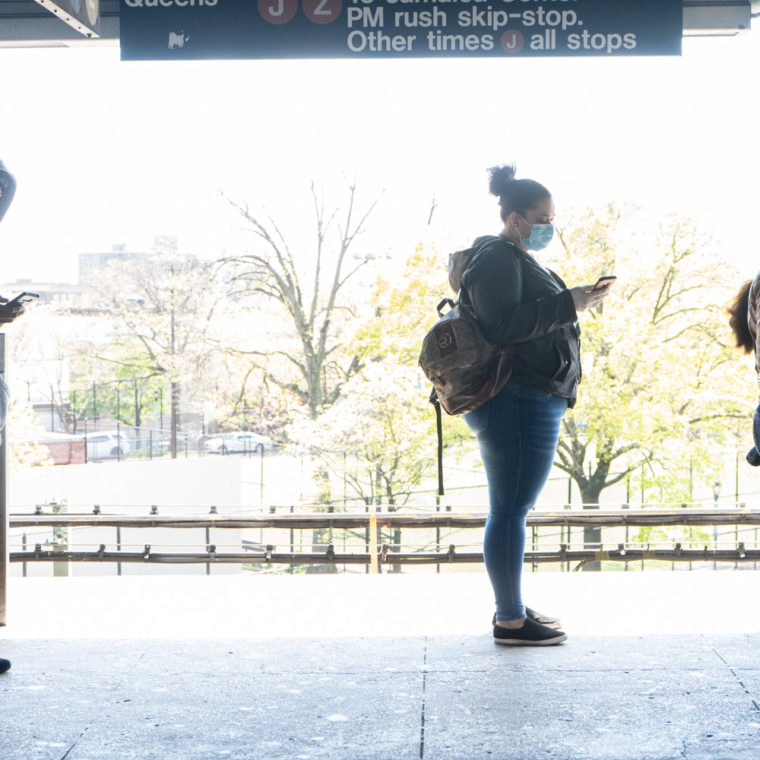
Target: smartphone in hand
<point>21,298</point>
<point>604,282</point>
<point>15,307</point>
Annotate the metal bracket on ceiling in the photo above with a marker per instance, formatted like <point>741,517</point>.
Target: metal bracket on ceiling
<point>716,18</point>
<point>69,11</point>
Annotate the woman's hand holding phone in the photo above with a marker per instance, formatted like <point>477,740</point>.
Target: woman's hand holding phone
<point>589,296</point>
<point>605,281</point>
<point>9,310</point>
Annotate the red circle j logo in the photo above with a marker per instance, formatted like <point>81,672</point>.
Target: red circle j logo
<point>512,41</point>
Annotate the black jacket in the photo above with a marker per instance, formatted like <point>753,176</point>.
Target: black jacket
<point>7,189</point>
<point>519,302</point>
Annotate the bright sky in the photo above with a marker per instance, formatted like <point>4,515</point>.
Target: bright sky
<point>108,152</point>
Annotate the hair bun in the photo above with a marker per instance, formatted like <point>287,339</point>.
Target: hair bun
<point>500,177</point>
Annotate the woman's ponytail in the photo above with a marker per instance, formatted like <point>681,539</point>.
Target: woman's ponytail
<point>514,194</point>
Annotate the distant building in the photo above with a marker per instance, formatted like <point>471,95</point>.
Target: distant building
<point>91,264</point>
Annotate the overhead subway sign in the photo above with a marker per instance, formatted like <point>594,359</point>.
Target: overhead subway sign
<point>194,29</point>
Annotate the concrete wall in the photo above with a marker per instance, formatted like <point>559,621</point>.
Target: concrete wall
<point>185,486</point>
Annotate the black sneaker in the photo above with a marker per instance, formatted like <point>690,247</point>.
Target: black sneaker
<point>537,617</point>
<point>547,620</point>
<point>531,634</point>
<point>4,665</point>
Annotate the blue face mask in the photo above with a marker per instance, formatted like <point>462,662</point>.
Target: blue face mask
<point>540,236</point>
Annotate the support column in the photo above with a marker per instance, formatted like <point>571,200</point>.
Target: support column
<point>3,510</point>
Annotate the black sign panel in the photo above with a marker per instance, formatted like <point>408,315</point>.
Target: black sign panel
<point>193,29</point>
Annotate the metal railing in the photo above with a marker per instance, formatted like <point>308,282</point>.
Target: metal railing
<point>390,518</point>
<point>385,556</point>
<point>378,552</point>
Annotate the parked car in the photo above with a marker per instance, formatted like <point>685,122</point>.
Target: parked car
<point>236,443</point>
<point>107,445</point>
<point>156,442</point>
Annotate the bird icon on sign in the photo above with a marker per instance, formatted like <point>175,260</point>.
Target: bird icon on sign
<point>177,40</point>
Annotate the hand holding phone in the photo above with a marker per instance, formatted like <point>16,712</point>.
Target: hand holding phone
<point>9,310</point>
<point>22,297</point>
<point>590,296</point>
<point>604,282</point>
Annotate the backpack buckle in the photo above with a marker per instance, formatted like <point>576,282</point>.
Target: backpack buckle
<point>444,302</point>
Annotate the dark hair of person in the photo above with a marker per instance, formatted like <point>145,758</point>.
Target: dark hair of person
<point>514,194</point>
<point>737,310</point>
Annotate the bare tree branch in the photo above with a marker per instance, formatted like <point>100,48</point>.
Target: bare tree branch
<point>271,273</point>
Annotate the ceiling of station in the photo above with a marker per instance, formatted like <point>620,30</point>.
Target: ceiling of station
<point>28,23</point>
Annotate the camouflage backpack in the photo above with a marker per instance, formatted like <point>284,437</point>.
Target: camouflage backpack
<point>465,368</point>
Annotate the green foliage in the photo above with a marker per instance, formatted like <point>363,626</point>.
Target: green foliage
<point>383,418</point>
<point>687,535</point>
<point>404,308</point>
<point>662,390</point>
<point>650,535</point>
<point>126,398</point>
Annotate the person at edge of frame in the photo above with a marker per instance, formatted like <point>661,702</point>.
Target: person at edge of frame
<point>521,303</point>
<point>744,321</point>
<point>7,314</point>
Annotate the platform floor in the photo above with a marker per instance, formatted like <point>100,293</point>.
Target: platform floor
<point>658,666</point>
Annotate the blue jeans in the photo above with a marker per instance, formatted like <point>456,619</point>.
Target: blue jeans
<point>517,432</point>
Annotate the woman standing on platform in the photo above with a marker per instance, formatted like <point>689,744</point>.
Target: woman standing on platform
<point>745,323</point>
<point>521,303</point>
